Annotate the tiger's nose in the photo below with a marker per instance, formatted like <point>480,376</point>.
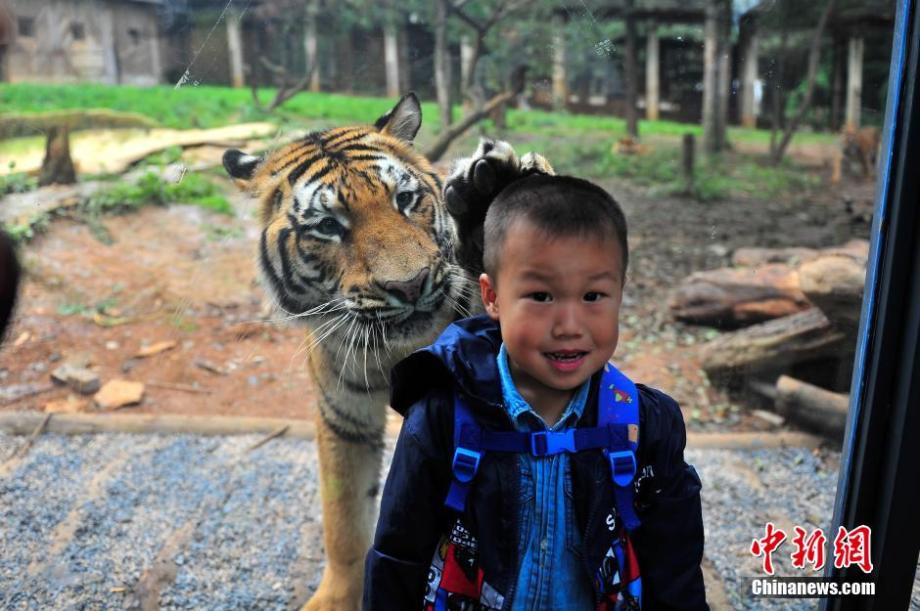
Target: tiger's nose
<point>407,291</point>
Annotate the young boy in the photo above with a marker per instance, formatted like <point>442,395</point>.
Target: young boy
<point>510,487</point>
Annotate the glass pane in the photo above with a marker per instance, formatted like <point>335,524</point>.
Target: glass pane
<point>740,138</point>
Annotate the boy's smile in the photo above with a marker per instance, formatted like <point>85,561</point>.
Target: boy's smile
<point>557,301</point>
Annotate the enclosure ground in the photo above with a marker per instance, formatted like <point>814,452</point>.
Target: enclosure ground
<point>115,521</point>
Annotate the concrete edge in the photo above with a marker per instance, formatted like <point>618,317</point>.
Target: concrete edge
<point>26,423</point>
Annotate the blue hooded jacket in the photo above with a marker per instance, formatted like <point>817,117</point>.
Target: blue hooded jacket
<point>668,544</point>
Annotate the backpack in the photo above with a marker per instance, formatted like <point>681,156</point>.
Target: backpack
<point>455,580</point>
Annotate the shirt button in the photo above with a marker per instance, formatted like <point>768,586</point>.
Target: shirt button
<point>544,545</point>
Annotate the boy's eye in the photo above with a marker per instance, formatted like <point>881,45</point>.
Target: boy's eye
<point>593,296</point>
<point>540,296</point>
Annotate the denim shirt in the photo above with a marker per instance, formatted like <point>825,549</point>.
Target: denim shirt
<point>550,573</point>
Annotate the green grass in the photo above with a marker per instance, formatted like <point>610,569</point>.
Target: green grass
<point>120,198</point>
<point>151,189</point>
<point>205,106</point>
<point>17,183</point>
<point>732,175</point>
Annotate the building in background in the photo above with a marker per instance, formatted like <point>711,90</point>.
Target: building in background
<point>69,41</point>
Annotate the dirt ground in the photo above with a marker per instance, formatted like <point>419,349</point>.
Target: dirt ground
<point>185,275</point>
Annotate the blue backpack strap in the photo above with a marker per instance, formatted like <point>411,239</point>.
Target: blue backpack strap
<point>467,455</point>
<point>618,410</point>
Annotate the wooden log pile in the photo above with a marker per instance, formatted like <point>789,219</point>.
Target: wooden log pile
<point>793,315</point>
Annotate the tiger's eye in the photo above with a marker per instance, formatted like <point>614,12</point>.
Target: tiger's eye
<point>404,199</point>
<point>330,225</point>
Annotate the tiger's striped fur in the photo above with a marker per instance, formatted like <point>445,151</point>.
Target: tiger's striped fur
<point>357,244</point>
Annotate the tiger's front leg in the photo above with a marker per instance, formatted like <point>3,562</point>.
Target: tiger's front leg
<point>349,433</point>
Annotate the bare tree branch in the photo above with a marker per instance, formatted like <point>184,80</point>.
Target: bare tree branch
<point>814,54</point>
<point>454,131</point>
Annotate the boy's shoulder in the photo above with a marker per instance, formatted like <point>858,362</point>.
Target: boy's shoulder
<point>662,432</point>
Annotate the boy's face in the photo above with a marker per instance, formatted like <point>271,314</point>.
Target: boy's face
<point>558,304</point>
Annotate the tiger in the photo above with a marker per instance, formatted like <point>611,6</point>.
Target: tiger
<point>856,144</point>
<point>367,246</point>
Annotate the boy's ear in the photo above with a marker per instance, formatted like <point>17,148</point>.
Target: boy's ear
<point>489,298</point>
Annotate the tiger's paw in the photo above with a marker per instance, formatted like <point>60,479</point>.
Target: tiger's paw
<point>473,185</point>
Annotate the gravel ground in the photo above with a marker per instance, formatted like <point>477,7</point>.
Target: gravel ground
<point>111,521</point>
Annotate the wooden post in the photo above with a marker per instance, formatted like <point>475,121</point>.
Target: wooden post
<point>651,74</point>
<point>310,45</point>
<point>748,79</point>
<point>687,161</point>
<point>391,58</point>
<point>560,82</point>
<point>235,47</point>
<point>854,82</point>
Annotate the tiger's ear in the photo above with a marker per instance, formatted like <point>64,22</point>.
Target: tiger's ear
<point>240,165</point>
<point>403,120</point>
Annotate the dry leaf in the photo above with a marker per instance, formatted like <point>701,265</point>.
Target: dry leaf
<point>155,348</point>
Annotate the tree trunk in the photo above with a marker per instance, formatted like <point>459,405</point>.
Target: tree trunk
<point>310,45</point>
<point>725,72</point>
<point>814,55</point>
<point>442,66</point>
<point>346,57</point>
<point>235,48</point>
<point>713,130</point>
<point>854,82</point>
<point>837,86</point>
<point>391,58</point>
<point>651,74</point>
<point>57,167</point>
<point>466,70</point>
<point>777,92</point>
<point>749,78</point>
<point>560,82</point>
<point>630,74</point>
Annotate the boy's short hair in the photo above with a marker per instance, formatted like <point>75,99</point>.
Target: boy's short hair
<point>559,206</point>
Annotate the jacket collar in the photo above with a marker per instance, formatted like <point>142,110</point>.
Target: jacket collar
<point>462,358</point>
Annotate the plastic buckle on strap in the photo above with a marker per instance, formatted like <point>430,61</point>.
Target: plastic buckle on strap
<point>465,464</point>
<point>544,443</point>
<point>622,467</point>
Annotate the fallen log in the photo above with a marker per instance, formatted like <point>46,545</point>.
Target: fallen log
<point>774,345</point>
<point>794,256</point>
<point>812,406</point>
<point>736,297</point>
<point>769,285</point>
<point>834,283</point>
<point>753,256</point>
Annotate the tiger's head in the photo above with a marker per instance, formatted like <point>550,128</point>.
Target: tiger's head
<point>356,241</point>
